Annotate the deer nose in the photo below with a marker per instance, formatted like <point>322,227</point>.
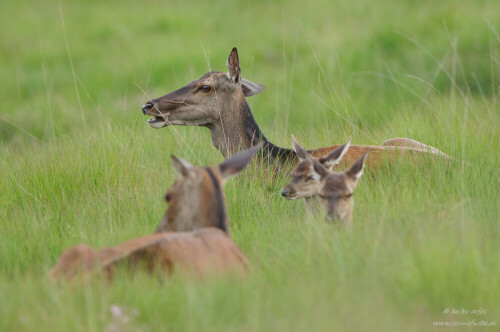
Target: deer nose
<point>146,107</point>
<point>285,192</point>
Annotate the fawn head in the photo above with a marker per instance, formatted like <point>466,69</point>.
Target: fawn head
<point>337,190</point>
<point>308,176</point>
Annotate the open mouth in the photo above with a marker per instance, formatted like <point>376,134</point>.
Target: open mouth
<point>157,122</point>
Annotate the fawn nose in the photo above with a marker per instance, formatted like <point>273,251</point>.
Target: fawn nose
<point>146,107</point>
<point>285,192</point>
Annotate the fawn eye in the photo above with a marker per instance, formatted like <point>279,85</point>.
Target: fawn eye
<point>310,178</point>
<point>348,195</point>
<point>168,197</point>
<point>205,88</point>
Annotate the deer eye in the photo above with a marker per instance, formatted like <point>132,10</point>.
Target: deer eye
<point>310,178</point>
<point>168,197</point>
<point>205,88</point>
<point>348,195</point>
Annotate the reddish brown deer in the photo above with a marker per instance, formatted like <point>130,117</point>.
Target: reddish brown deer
<point>217,101</point>
<point>193,235</point>
<point>313,180</point>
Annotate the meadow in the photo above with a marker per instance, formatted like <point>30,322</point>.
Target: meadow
<point>78,162</point>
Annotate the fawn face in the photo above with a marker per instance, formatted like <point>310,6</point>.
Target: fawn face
<point>337,190</point>
<point>308,175</point>
<point>201,102</point>
<point>196,199</point>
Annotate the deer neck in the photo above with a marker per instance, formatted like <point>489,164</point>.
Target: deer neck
<point>237,130</point>
<point>215,207</point>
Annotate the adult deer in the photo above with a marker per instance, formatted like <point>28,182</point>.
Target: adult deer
<point>193,235</point>
<point>217,101</point>
<point>313,180</point>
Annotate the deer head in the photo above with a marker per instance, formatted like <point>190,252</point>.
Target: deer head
<point>337,190</point>
<point>201,102</point>
<point>309,174</point>
<point>196,199</point>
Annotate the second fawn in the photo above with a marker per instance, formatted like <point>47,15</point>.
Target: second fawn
<point>313,180</point>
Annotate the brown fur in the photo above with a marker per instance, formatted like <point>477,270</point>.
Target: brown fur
<point>199,253</point>
<point>197,240</point>
<point>336,197</point>
<point>312,180</point>
<point>226,113</point>
<point>307,175</point>
<point>377,154</point>
<point>193,209</point>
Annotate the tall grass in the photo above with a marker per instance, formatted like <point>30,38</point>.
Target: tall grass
<point>79,163</point>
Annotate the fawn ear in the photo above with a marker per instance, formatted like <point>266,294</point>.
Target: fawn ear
<point>237,163</point>
<point>335,156</point>
<point>356,170</point>
<point>250,88</point>
<point>299,151</point>
<point>182,166</point>
<point>233,66</point>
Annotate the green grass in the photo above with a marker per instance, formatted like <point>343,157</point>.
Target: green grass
<point>81,164</point>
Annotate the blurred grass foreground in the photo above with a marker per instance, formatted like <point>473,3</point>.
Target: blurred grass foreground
<point>79,163</point>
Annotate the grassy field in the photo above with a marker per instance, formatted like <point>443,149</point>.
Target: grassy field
<point>78,162</point>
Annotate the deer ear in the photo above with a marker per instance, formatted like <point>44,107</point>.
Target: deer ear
<point>356,170</point>
<point>233,66</point>
<point>250,88</point>
<point>182,166</point>
<point>299,151</point>
<point>237,163</point>
<point>335,156</point>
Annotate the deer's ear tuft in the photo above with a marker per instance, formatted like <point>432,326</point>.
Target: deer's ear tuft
<point>335,156</point>
<point>238,162</point>
<point>356,170</point>
<point>250,88</point>
<point>182,166</point>
<point>299,151</point>
<point>233,66</point>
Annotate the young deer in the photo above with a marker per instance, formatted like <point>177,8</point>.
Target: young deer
<point>193,235</point>
<point>306,179</point>
<point>313,180</point>
<point>217,101</point>
<point>337,190</point>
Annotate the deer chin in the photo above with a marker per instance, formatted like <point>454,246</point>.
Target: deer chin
<point>158,122</point>
<point>163,121</point>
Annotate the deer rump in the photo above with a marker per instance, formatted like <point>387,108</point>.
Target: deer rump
<point>199,253</point>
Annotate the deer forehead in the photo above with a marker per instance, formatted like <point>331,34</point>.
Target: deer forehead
<point>200,182</point>
<point>304,168</point>
<point>337,182</point>
<point>214,77</point>
<point>309,167</point>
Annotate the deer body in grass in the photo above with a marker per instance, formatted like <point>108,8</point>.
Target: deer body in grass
<point>217,101</point>
<point>324,190</point>
<point>193,235</point>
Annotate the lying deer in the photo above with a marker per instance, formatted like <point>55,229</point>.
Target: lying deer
<point>217,101</point>
<point>306,179</point>
<point>193,235</point>
<point>313,180</point>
